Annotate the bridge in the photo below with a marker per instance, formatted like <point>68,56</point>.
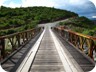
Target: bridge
<point>48,49</point>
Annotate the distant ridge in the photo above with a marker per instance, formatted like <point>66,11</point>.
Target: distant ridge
<point>94,21</point>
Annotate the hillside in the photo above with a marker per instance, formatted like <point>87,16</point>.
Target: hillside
<point>94,21</point>
<point>19,19</point>
<point>81,24</point>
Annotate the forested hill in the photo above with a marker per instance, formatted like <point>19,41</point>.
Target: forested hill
<point>19,19</point>
<point>81,25</point>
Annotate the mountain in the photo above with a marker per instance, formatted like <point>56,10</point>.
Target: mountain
<point>19,19</point>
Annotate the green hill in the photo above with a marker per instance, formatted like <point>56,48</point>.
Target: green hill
<point>19,19</point>
<point>81,24</point>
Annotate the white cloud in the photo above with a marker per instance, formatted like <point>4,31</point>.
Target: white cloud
<point>94,1</point>
<point>93,16</point>
<point>13,5</point>
<point>50,3</point>
<point>55,3</point>
<point>2,1</point>
<point>77,2</point>
<point>47,3</point>
<point>78,6</point>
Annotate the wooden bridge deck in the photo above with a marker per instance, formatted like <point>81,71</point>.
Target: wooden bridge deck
<point>47,57</point>
<point>49,54</point>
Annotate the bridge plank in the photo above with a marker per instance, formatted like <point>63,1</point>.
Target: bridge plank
<point>47,58</point>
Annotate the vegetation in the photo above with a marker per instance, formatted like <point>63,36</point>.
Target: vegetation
<point>81,25</point>
<point>19,19</point>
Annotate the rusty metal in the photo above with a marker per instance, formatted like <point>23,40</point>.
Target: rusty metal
<point>12,42</point>
<point>87,44</point>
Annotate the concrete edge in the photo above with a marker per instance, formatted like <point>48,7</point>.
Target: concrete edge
<point>68,64</point>
<point>26,63</point>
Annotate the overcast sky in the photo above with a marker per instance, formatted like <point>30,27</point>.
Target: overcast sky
<point>82,7</point>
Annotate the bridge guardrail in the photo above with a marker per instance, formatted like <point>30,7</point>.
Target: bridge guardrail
<point>85,43</point>
<point>12,42</point>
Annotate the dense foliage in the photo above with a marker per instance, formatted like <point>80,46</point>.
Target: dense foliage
<point>81,25</point>
<point>19,19</point>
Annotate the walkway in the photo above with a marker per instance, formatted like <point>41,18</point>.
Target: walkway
<point>49,54</point>
<point>47,57</point>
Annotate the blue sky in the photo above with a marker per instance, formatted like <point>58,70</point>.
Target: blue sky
<point>7,2</point>
<point>82,7</point>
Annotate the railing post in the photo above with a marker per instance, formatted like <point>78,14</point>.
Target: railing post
<point>18,39</point>
<point>81,44</point>
<point>61,32</point>
<point>67,35</point>
<point>2,48</point>
<point>92,46</point>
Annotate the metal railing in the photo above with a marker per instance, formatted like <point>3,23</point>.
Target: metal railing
<point>10,43</point>
<point>87,44</point>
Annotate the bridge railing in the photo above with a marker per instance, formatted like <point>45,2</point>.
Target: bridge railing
<point>10,43</point>
<point>85,43</point>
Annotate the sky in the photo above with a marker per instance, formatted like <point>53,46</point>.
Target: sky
<point>82,7</point>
